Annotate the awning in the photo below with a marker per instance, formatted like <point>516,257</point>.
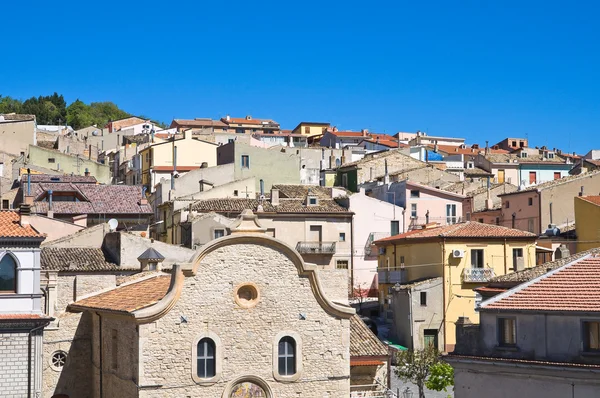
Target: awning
<point>365,362</point>
<point>394,345</point>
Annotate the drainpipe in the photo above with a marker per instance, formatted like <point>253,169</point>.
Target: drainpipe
<point>352,252</point>
<point>100,352</point>
<point>29,356</point>
<point>174,166</point>
<point>28,182</point>
<point>505,259</point>
<point>444,288</point>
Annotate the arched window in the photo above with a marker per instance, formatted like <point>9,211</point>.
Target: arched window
<point>8,274</point>
<point>287,356</point>
<point>206,358</point>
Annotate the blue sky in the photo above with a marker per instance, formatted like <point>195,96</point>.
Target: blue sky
<point>474,69</point>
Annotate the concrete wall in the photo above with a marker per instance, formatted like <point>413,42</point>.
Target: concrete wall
<point>52,227</point>
<point>271,166</point>
<point>247,342</point>
<point>125,248</point>
<point>543,172</point>
<point>527,217</point>
<point>68,164</point>
<point>17,135</point>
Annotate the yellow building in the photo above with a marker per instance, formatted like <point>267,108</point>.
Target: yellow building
<point>310,129</point>
<point>465,255</point>
<point>587,221</point>
<point>189,153</point>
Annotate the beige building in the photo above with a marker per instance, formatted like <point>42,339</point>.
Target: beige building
<point>261,341</point>
<point>176,157</point>
<point>17,132</point>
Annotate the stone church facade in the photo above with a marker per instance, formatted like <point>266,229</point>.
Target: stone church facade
<point>246,318</point>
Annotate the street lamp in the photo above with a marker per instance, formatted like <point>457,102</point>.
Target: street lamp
<point>407,393</point>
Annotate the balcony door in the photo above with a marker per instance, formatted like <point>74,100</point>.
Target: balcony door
<point>315,233</point>
<point>450,214</point>
<point>501,176</point>
<point>477,258</point>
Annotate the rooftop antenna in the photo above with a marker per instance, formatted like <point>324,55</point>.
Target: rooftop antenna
<point>112,225</point>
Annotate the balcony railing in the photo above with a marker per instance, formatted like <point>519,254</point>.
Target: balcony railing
<point>316,247</point>
<point>477,274</point>
<point>370,249</point>
<point>390,276</point>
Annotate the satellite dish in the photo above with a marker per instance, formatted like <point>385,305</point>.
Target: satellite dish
<point>112,224</point>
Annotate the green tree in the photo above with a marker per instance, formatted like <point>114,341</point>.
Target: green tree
<point>418,366</point>
<point>10,105</point>
<point>441,376</point>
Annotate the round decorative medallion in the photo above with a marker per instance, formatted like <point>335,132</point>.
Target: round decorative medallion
<point>246,295</point>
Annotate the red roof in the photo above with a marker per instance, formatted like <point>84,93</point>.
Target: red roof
<point>245,120</point>
<point>469,229</point>
<point>349,134</point>
<point>10,227</point>
<point>10,317</point>
<point>592,199</point>
<point>365,362</point>
<point>453,149</point>
<point>170,168</point>
<point>573,287</point>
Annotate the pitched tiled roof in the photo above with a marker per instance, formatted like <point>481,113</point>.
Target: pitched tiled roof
<point>88,259</point>
<point>179,168</point>
<point>573,287</point>
<point>103,199</point>
<point>23,317</point>
<point>362,341</point>
<point>58,179</point>
<point>128,297</point>
<point>537,271</point>
<point>243,120</point>
<point>295,191</point>
<point>469,229</point>
<point>10,227</point>
<point>197,123</point>
<point>348,134</point>
<point>477,171</point>
<point>237,205</point>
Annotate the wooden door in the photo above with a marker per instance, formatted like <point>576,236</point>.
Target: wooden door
<point>501,177</point>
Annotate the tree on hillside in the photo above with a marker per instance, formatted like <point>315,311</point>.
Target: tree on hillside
<point>10,105</point>
<point>424,368</point>
<point>50,109</point>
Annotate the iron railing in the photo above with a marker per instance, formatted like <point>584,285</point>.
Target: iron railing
<point>316,247</point>
<point>371,250</point>
<point>385,275</point>
<point>477,274</point>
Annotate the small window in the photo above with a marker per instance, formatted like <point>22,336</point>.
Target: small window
<point>245,162</point>
<point>514,144</point>
<point>414,193</point>
<point>8,274</point>
<point>5,204</point>
<point>205,357</point>
<point>230,140</point>
<point>235,192</point>
<point>424,299</point>
<point>530,201</point>
<point>152,266</point>
<point>557,175</point>
<point>413,210</point>
<point>480,220</point>
<point>345,180</point>
<point>550,155</point>
<point>312,201</point>
<point>51,160</point>
<point>287,356</point>
<point>219,233</point>
<point>402,261</point>
<point>507,332</point>
<point>394,227</point>
<point>477,258</point>
<point>239,131</point>
<point>342,237</point>
<point>497,220</point>
<point>507,204</point>
<point>58,360</point>
<point>591,336</point>
<point>518,261</point>
<point>341,264</point>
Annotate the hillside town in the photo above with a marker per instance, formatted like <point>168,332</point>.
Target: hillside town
<point>235,257</point>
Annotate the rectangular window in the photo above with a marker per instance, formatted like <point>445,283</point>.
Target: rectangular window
<point>5,204</point>
<point>219,233</point>
<point>312,201</point>
<point>235,192</point>
<point>430,338</point>
<point>423,299</point>
<point>341,264</point>
<point>518,264</point>
<point>514,144</point>
<point>413,210</point>
<point>394,227</point>
<point>507,204</point>
<point>114,347</point>
<point>530,201</point>
<point>497,220</point>
<point>532,177</point>
<point>342,236</point>
<point>345,180</point>
<point>480,220</point>
<point>239,131</point>
<point>414,193</point>
<point>557,175</point>
<point>477,258</point>
<point>530,225</point>
<point>402,261</point>
<point>591,336</point>
<point>51,160</point>
<point>451,214</point>
<point>507,332</point>
<point>245,162</point>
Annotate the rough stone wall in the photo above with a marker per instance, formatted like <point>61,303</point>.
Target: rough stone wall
<point>247,335</point>
<point>71,333</point>
<point>335,283</point>
<point>369,375</point>
<point>13,364</point>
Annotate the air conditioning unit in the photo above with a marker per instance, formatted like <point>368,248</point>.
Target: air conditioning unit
<point>458,253</point>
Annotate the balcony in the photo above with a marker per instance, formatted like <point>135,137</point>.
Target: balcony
<point>477,275</point>
<point>370,249</point>
<point>391,276</point>
<point>315,247</point>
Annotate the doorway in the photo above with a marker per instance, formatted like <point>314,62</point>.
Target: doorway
<point>430,338</point>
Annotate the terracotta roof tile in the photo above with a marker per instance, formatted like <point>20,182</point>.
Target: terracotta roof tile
<point>179,168</point>
<point>365,362</point>
<point>10,317</point>
<point>296,191</point>
<point>522,361</point>
<point>10,226</point>
<point>77,259</point>
<point>592,199</point>
<point>363,342</point>
<point>573,287</point>
<point>237,205</point>
<point>58,179</point>
<point>129,297</point>
<point>469,229</point>
<point>560,181</point>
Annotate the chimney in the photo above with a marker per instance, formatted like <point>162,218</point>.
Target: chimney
<point>227,118</point>
<point>435,146</point>
<point>50,207</point>
<point>274,197</point>
<point>343,159</point>
<point>87,172</point>
<point>489,203</point>
<point>386,176</point>
<point>365,132</point>
<point>151,136</point>
<point>25,214</point>
<point>581,191</point>
<point>487,148</point>
<point>331,160</point>
<point>90,152</point>
<point>262,187</point>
